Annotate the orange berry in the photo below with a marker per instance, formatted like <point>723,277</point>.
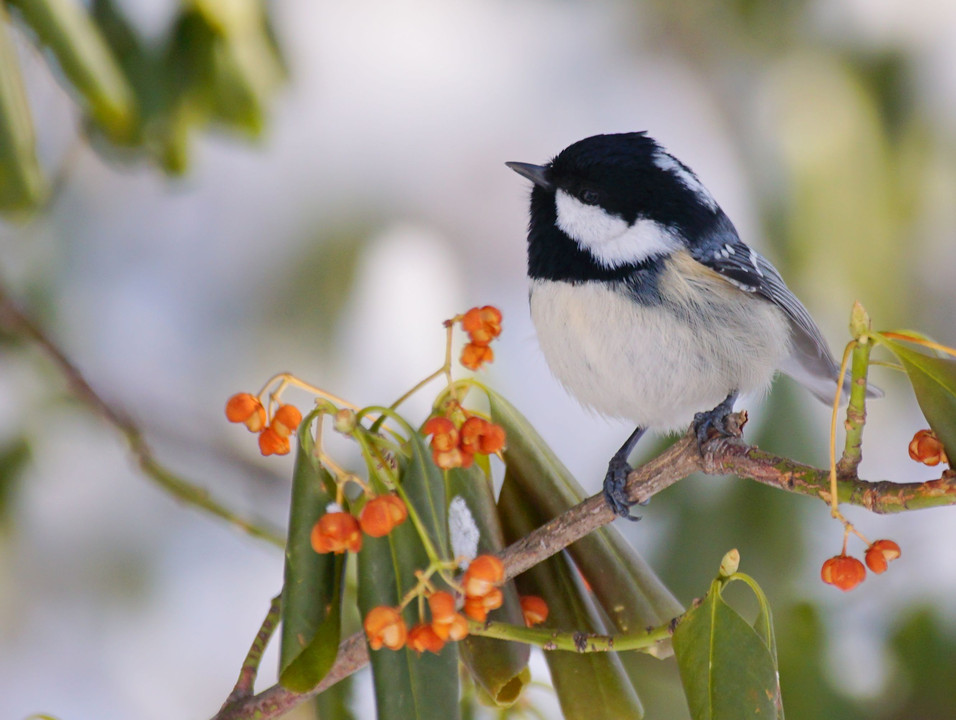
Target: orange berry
<point>473,356</point>
<point>493,439</point>
<point>453,458</point>
<point>482,575</point>
<point>246,408</point>
<point>444,433</point>
<point>381,514</point>
<point>286,420</point>
<point>478,606</point>
<point>272,443</point>
<point>534,609</point>
<point>384,626</point>
<point>455,628</point>
<point>926,448</point>
<point>336,532</point>
<point>880,554</point>
<point>843,571</point>
<point>479,435</point>
<point>482,324</point>
<point>442,605</point>
<point>423,637</point>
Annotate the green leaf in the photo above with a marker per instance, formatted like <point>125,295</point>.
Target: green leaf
<point>934,382</point>
<point>589,685</point>
<point>21,183</point>
<point>312,589</point>
<point>85,58</point>
<point>335,702</point>
<point>409,686</point>
<point>625,585</point>
<point>499,667</point>
<point>727,668</point>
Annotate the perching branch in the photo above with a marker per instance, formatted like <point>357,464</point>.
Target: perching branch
<point>721,456</point>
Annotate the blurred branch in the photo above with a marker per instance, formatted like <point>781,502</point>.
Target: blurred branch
<point>720,456</point>
<point>17,323</point>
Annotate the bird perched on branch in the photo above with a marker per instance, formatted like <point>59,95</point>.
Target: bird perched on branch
<point>647,304</point>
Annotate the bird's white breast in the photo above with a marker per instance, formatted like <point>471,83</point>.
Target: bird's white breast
<point>658,364</point>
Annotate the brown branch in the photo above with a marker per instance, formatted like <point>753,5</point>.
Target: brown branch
<point>16,322</point>
<point>721,456</point>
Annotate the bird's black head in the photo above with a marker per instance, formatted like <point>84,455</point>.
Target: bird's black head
<point>608,205</point>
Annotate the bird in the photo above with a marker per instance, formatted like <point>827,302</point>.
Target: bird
<point>647,304</point>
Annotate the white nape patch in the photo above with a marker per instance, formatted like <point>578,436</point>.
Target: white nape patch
<point>668,163</point>
<point>463,531</point>
<point>610,239</point>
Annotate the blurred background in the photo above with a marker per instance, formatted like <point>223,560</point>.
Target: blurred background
<point>316,190</point>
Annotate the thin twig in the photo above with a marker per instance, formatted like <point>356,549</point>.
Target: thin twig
<point>16,322</point>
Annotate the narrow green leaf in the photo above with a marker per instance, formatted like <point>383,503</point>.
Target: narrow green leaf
<point>312,589</point>
<point>66,28</point>
<point>590,685</point>
<point>726,667</point>
<point>409,686</point>
<point>625,585</point>
<point>21,183</point>
<point>335,703</point>
<point>499,667</point>
<point>934,382</point>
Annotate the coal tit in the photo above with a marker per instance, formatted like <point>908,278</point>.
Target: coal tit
<point>647,304</point>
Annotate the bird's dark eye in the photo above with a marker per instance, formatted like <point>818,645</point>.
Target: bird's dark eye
<point>590,197</point>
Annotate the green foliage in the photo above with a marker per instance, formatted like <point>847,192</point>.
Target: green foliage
<point>218,64</point>
<point>313,584</point>
<point>728,667</point>
<point>934,382</point>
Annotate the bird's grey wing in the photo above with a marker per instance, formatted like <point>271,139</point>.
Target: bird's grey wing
<point>810,362</point>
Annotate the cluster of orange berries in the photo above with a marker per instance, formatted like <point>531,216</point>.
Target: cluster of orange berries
<point>482,325</point>
<point>274,435</point>
<point>339,531</point>
<point>385,626</point>
<point>846,572</point>
<point>926,448</point>
<point>454,446</point>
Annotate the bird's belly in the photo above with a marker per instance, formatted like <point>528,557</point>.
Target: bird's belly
<point>656,365</point>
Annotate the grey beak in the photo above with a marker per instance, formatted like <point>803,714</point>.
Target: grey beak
<point>540,175</point>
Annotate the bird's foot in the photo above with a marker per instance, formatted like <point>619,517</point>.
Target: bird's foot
<point>615,484</point>
<point>715,421</point>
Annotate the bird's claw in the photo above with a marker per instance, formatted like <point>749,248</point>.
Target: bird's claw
<point>713,420</point>
<point>615,483</point>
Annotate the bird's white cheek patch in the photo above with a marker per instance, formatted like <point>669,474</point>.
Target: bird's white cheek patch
<point>611,240</point>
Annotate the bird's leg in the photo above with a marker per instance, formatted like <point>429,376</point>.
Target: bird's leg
<point>714,419</point>
<point>616,478</point>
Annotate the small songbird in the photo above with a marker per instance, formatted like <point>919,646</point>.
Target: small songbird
<point>647,304</point>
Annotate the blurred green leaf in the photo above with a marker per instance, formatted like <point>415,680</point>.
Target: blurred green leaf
<point>626,586</point>
<point>805,681</point>
<point>22,186</point>
<point>925,649</point>
<point>409,686</point>
<point>76,42</point>
<point>14,457</point>
<point>590,686</point>
<point>499,667</point>
<point>727,668</point>
<point>335,703</point>
<point>934,382</point>
<point>312,589</point>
